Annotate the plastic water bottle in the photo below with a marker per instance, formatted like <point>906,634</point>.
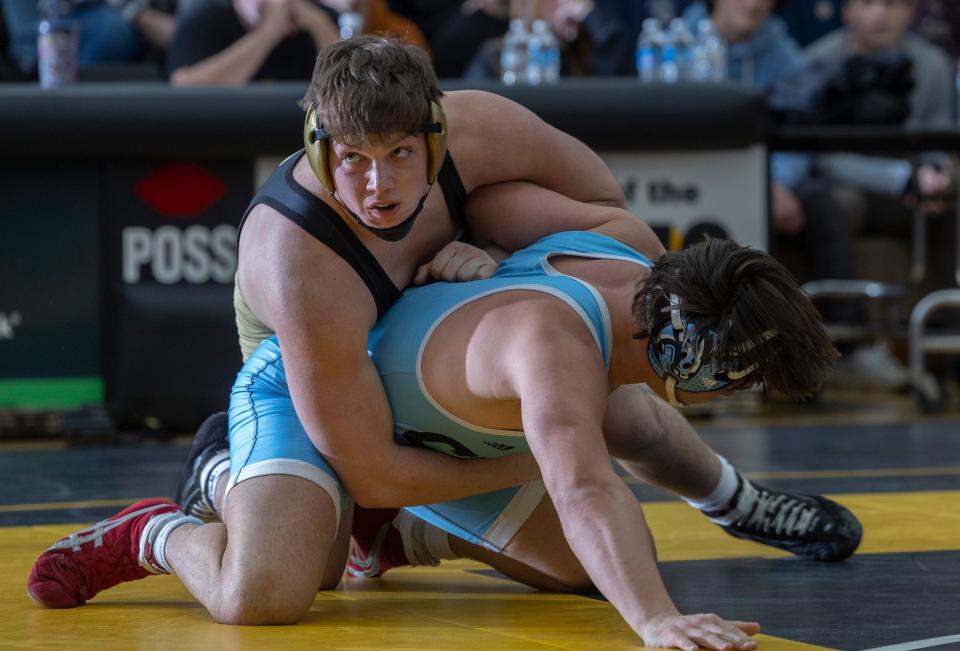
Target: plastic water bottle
<point>714,51</point>
<point>513,56</point>
<point>669,69</point>
<point>543,55</point>
<point>58,40</point>
<point>351,24</point>
<point>647,51</point>
<point>684,43</point>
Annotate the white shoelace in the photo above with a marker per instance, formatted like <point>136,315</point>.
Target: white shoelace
<point>792,516</point>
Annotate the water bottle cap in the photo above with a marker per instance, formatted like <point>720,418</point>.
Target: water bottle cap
<point>351,19</point>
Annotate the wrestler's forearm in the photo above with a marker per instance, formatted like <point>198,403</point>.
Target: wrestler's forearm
<point>414,476</point>
<point>514,214</point>
<point>604,525</point>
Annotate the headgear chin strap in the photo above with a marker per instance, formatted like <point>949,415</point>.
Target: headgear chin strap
<point>316,141</point>
<point>390,233</point>
<point>676,355</point>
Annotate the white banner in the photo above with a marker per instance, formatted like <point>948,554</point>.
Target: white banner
<point>693,192</point>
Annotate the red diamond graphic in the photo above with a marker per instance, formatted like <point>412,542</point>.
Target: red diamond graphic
<point>180,190</point>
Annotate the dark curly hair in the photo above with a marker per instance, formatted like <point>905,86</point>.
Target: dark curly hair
<point>743,295</point>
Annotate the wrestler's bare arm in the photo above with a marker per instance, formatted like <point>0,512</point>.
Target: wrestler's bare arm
<point>322,313</point>
<point>556,370</point>
<point>493,139</point>
<point>515,214</point>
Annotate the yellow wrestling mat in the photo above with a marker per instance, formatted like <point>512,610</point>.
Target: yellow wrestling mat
<point>452,607</point>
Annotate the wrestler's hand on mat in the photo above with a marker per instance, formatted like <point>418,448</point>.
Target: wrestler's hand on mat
<point>457,262</point>
<point>705,630</point>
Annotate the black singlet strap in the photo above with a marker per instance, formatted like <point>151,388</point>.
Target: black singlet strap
<point>282,193</point>
<point>454,194</point>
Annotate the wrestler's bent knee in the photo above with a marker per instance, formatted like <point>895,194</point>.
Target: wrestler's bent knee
<point>262,600</point>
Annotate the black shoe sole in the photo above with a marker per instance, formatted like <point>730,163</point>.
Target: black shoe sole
<point>212,434</point>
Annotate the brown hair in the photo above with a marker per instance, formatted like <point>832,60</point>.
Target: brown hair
<point>741,294</point>
<point>371,86</point>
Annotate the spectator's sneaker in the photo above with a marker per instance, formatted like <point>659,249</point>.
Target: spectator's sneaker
<point>113,551</point>
<point>810,526</point>
<point>210,448</point>
<point>377,545</point>
<point>870,366</point>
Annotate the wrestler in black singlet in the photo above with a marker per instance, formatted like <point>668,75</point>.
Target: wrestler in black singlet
<point>282,193</point>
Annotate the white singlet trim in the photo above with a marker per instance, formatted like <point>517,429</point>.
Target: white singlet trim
<point>518,511</point>
<point>293,468</point>
<point>605,311</point>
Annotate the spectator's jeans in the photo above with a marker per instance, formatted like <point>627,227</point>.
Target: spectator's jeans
<point>104,35</point>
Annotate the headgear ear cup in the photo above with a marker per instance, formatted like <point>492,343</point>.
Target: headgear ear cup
<point>436,141</point>
<point>316,145</point>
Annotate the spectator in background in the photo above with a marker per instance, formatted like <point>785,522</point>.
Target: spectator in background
<point>871,191</point>
<point>808,20</point>
<point>592,41</point>
<point>760,53</point>
<point>455,29</point>
<point>633,13</point>
<point>938,21</point>
<point>110,32</point>
<point>246,40</point>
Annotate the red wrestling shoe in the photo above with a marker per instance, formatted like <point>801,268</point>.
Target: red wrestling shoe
<point>377,546</point>
<point>113,551</point>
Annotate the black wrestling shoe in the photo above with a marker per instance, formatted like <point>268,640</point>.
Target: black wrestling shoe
<point>810,526</point>
<point>192,492</point>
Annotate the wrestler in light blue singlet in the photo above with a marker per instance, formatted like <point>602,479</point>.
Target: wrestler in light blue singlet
<point>396,346</point>
<point>267,438</point>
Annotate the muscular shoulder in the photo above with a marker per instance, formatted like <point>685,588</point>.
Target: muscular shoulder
<point>492,138</point>
<point>476,103</point>
<point>288,277</point>
<point>548,351</point>
<point>545,324</point>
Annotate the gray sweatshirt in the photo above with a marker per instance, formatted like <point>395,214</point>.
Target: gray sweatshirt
<point>931,105</point>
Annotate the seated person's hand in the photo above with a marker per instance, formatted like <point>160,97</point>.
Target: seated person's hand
<point>787,212</point>
<point>276,19</point>
<point>934,182</point>
<point>568,16</point>
<point>457,262</point>
<point>309,17</point>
